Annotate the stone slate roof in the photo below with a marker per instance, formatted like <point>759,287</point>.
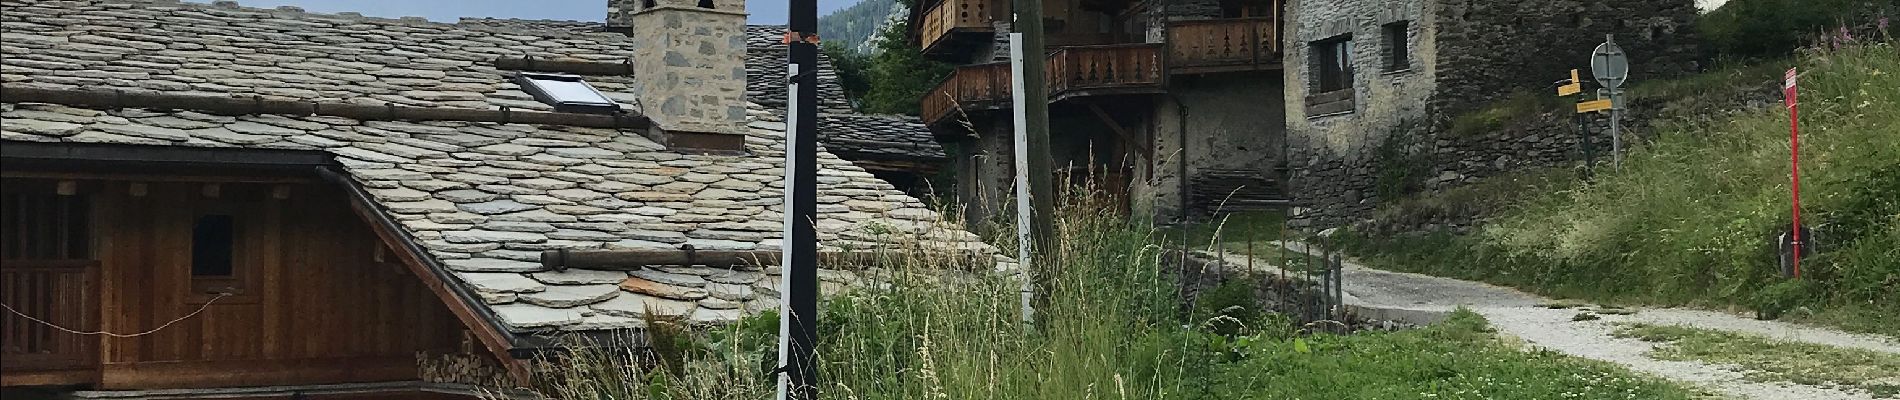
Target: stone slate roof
<point>878,137</point>
<point>854,137</point>
<point>483,198</point>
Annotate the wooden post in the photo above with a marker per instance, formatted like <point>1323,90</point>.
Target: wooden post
<point>1035,97</point>
<point>798,323</point>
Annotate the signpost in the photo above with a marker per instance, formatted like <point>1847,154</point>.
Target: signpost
<point>1593,106</point>
<point>1794,166</point>
<point>1611,67</point>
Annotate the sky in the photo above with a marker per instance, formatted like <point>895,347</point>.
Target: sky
<point>762,11</point>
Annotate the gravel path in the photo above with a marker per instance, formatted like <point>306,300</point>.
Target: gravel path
<point>1519,315</point>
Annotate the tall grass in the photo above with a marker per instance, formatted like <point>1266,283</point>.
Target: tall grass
<point>1692,216</point>
<point>1112,327</point>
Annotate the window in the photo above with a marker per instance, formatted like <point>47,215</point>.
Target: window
<point>212,238</point>
<point>1398,53</point>
<point>567,93</point>
<point>1332,64</point>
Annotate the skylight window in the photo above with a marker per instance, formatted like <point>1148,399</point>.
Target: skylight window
<point>567,93</point>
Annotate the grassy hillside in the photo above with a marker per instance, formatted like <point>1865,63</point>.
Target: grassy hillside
<point>1691,216</point>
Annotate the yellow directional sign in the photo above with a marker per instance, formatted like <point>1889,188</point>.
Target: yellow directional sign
<point>1574,87</point>
<point>1593,106</point>
<point>1569,89</point>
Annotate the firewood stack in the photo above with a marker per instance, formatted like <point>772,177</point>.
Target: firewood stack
<point>465,368</point>
<point>1229,190</point>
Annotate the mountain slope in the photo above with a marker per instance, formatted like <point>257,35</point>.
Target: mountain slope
<point>857,25</point>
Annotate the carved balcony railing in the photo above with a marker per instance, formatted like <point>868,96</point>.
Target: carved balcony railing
<point>1076,71</point>
<point>1223,45</point>
<point>944,21</point>
<point>969,87</point>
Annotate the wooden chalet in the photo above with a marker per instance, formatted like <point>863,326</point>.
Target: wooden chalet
<point>211,201</point>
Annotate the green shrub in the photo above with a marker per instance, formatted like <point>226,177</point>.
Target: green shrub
<point>1775,28</point>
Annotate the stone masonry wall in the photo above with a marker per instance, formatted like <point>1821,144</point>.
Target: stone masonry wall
<point>1234,122</point>
<point>1465,54</point>
<point>1331,156</point>
<point>690,64</point>
<point>1491,48</point>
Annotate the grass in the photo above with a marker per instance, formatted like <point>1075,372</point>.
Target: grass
<point>1455,359</point>
<point>1233,231</point>
<point>1112,327</point>
<point>1765,359</point>
<point>1690,217</point>
<point>1520,106</point>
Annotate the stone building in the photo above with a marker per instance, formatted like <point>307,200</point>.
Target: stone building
<point>361,207</point>
<point>1379,83</point>
<point>1141,95</point>
<point>1269,103</point>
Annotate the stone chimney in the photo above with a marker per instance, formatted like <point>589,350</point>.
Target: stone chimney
<point>689,61</point>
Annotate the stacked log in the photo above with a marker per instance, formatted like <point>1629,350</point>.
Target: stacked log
<point>476,368</point>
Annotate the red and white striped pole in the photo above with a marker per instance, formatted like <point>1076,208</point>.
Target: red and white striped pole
<point>1794,161</point>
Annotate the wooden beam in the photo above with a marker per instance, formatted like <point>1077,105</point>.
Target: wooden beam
<point>225,105</point>
<point>171,155</point>
<point>139,187</point>
<point>64,377</point>
<point>636,259</point>
<point>1110,121</point>
<point>576,67</point>
<point>207,374</point>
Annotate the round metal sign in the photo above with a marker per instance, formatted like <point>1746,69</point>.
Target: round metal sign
<point>1609,64</point>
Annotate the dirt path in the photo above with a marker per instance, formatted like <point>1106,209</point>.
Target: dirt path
<point>1518,314</point>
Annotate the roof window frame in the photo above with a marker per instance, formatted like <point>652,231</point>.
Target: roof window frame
<point>533,84</point>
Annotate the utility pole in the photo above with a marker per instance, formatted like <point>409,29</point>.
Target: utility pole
<point>798,322</point>
<point>1035,97</point>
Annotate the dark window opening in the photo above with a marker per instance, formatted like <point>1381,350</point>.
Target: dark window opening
<point>212,239</point>
<point>567,93</point>
<point>646,4</point>
<point>44,227</point>
<point>1398,52</point>
<point>1332,64</point>
<point>706,4</point>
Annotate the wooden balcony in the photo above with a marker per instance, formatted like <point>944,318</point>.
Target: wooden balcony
<point>1224,45</point>
<point>1071,72</point>
<point>951,24</point>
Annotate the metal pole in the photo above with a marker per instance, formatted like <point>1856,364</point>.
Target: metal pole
<point>1616,136</point>
<point>798,327</point>
<point>1035,98</point>
<point>1025,242</point>
<point>1589,148</point>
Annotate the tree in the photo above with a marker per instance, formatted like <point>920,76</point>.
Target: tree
<point>850,65</point>
<point>898,74</point>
